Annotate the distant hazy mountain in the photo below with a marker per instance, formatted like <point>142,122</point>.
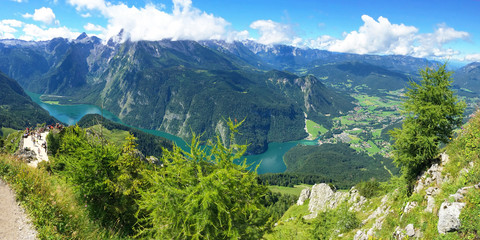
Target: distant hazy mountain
<point>17,110</point>
<point>467,79</point>
<point>350,75</point>
<point>296,59</point>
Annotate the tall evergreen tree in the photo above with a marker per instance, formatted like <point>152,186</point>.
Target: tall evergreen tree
<point>432,112</point>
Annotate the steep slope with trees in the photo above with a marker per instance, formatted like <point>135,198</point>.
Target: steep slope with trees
<point>432,112</point>
<point>467,79</point>
<point>17,110</point>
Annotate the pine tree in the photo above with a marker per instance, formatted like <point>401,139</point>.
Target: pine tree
<point>432,112</point>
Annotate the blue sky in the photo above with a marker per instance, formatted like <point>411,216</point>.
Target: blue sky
<point>433,29</point>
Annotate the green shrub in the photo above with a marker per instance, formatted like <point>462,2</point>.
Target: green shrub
<point>203,194</point>
<point>329,222</point>
<point>369,189</point>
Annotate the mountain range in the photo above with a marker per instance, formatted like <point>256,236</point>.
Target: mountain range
<point>467,79</point>
<point>182,87</point>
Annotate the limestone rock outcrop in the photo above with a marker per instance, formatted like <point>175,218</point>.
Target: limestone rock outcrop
<point>449,217</point>
<point>304,195</point>
<point>323,198</point>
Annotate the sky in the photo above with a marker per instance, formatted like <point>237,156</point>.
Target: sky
<point>439,30</point>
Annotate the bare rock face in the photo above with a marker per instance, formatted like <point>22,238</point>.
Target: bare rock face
<point>432,178</point>
<point>26,155</point>
<point>449,217</point>
<point>304,195</point>
<point>410,230</point>
<point>410,206</point>
<point>356,200</point>
<point>322,197</point>
<point>360,235</point>
<point>430,204</point>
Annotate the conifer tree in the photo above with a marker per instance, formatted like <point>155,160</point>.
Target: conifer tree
<point>432,112</point>
<point>204,194</point>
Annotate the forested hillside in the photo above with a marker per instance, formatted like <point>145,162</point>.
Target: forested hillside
<point>17,110</point>
<point>148,144</point>
<point>338,164</point>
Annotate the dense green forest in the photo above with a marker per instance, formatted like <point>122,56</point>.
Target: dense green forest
<point>17,110</point>
<point>148,144</point>
<point>337,164</point>
<point>288,179</point>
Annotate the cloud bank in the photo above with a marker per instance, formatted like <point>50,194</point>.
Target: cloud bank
<point>383,37</point>
<point>8,27</point>
<point>151,23</point>
<point>275,33</point>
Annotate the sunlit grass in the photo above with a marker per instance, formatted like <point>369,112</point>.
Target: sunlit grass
<point>289,190</point>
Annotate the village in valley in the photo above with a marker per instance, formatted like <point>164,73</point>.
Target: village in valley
<point>366,127</point>
<point>363,128</point>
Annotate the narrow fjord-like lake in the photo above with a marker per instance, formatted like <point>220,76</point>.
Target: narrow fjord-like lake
<point>270,161</point>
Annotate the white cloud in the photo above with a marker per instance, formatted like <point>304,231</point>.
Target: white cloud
<point>274,33</point>
<point>93,27</point>
<point>383,37</point>
<point>43,14</point>
<point>8,27</point>
<point>377,37</point>
<point>19,1</point>
<point>151,23</point>
<point>431,44</point>
<point>88,4</point>
<point>34,32</point>
<point>472,57</point>
<point>86,15</point>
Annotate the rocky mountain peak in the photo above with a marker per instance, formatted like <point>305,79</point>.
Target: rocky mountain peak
<point>82,36</point>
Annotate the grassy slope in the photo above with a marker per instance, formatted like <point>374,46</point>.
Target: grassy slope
<point>4,132</point>
<point>115,136</point>
<point>289,190</point>
<point>315,129</point>
<point>464,154</point>
<point>55,212</point>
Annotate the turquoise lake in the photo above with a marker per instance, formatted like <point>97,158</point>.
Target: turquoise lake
<point>270,161</point>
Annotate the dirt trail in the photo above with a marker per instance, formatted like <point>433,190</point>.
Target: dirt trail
<point>14,223</point>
